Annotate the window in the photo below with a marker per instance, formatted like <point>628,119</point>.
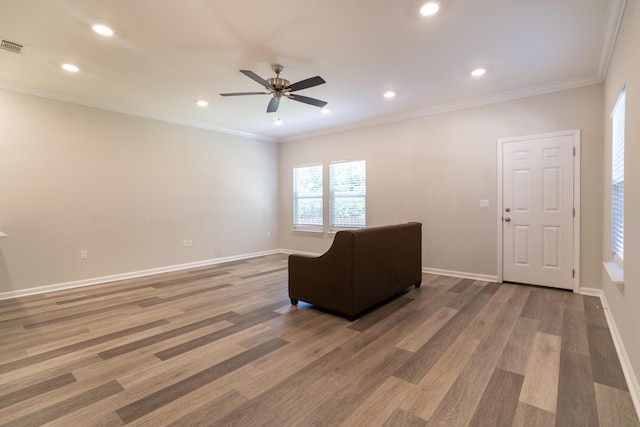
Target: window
<point>348,194</point>
<point>617,178</point>
<point>307,197</point>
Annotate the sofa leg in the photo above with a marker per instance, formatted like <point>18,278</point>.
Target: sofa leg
<point>417,285</point>
<point>294,301</point>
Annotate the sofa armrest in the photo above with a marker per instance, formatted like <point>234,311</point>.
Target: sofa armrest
<point>327,280</point>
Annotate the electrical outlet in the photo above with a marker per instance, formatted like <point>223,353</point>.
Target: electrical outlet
<point>189,243</point>
<point>83,255</point>
<point>484,204</point>
<point>185,243</point>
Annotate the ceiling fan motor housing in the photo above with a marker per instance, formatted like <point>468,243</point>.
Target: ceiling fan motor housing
<point>278,83</point>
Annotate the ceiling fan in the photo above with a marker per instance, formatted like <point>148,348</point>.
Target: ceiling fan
<point>279,87</point>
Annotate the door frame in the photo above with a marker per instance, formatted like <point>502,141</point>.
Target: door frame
<point>576,197</point>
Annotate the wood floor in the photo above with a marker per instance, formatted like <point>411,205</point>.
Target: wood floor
<point>223,346</point>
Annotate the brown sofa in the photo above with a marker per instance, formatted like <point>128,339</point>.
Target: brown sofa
<point>361,269</point>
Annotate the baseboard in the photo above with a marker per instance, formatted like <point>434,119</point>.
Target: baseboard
<point>627,368</point>
<point>130,275</point>
<point>464,275</point>
<point>290,252</point>
<point>592,292</point>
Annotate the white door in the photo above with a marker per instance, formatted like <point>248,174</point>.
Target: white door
<point>537,210</point>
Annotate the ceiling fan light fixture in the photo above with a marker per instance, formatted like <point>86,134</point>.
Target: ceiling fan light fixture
<point>430,8</point>
<point>325,110</point>
<point>277,122</point>
<point>389,94</point>
<point>202,103</point>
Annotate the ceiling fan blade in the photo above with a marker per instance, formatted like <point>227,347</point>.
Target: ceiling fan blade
<point>307,100</point>
<point>273,105</point>
<point>257,78</point>
<point>306,83</point>
<point>245,93</point>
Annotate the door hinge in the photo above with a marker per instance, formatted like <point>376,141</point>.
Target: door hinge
<point>574,212</point>
<point>574,151</point>
<point>573,273</point>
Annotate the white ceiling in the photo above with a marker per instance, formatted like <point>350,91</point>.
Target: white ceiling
<point>166,54</point>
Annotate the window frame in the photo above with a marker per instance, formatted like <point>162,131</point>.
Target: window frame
<point>617,177</point>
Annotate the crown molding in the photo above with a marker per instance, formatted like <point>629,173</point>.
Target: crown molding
<point>446,108</point>
<point>56,96</point>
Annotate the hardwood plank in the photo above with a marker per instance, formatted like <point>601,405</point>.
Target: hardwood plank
<point>593,311</point>
<point>286,398</point>
<point>540,387</point>
<point>461,286</point>
<point>460,403</point>
<point>139,408</point>
<point>380,404</point>
<point>209,413</point>
<point>418,365</point>
<point>499,402</point>
<point>135,345</point>
<point>35,390</point>
<point>530,416</point>
<point>400,417</point>
<point>379,312</point>
<point>605,363</point>
<point>437,382</point>
<point>31,360</point>
<point>416,339</point>
<point>551,313</point>
<point>245,323</point>
<point>615,407</point>
<point>575,338</point>
<point>576,396</point>
<point>59,409</point>
<point>517,352</point>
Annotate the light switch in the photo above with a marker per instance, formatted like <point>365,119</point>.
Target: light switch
<point>484,204</point>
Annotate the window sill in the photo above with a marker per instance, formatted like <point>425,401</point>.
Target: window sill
<point>615,272</point>
<point>308,230</point>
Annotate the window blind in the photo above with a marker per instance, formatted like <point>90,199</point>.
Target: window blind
<point>617,176</point>
<point>348,194</point>
<point>307,196</point>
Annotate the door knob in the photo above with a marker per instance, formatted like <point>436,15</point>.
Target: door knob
<point>507,210</point>
<point>507,219</point>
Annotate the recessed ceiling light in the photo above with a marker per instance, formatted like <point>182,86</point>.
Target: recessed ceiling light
<point>325,110</point>
<point>429,8</point>
<point>70,67</point>
<point>277,122</point>
<point>478,72</point>
<point>389,94</point>
<point>202,103</point>
<point>103,30</point>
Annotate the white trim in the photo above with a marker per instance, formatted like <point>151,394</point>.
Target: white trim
<point>577,144</point>
<point>593,292</point>
<point>625,362</point>
<point>462,274</point>
<point>130,275</point>
<point>456,106</point>
<point>294,252</point>
<point>615,12</point>
<point>56,96</point>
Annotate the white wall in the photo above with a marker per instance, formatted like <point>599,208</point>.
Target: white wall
<point>129,190</point>
<point>624,69</point>
<point>436,169</point>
